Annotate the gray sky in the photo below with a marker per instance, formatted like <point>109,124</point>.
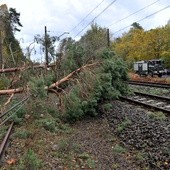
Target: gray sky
<point>64,15</point>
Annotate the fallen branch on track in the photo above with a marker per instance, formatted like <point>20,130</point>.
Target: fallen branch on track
<point>69,76</point>
<point>54,85</point>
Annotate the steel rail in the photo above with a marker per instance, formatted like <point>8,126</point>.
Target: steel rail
<point>7,115</point>
<point>5,120</point>
<point>145,104</point>
<point>153,95</point>
<point>160,85</point>
<point>4,142</point>
<point>13,107</point>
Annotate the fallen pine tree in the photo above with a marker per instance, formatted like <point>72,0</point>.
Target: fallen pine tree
<point>54,85</point>
<point>16,69</point>
<point>81,91</point>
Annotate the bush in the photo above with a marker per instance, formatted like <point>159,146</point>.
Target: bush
<point>118,149</point>
<point>4,82</point>
<point>47,124</point>
<point>31,160</point>
<point>123,125</point>
<point>24,134</point>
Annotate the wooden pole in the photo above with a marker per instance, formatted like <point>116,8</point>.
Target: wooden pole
<point>108,38</point>
<point>1,57</point>
<point>46,49</point>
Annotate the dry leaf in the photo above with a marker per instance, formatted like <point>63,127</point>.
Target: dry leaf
<point>11,161</point>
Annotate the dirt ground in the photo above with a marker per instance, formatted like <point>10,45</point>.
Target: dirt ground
<point>108,141</point>
<point>88,144</point>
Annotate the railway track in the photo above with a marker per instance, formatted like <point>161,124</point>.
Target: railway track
<point>151,84</point>
<point>5,140</point>
<point>4,117</point>
<point>155,102</point>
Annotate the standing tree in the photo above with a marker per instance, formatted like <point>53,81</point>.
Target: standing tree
<point>94,40</point>
<point>50,43</point>
<point>11,46</point>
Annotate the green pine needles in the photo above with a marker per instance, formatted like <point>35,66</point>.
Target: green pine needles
<point>96,86</point>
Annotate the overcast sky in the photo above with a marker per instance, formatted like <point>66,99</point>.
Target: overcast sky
<point>64,16</point>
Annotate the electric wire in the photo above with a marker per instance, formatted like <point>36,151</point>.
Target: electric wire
<point>87,16</point>
<point>133,13</point>
<point>144,18</point>
<point>95,18</point>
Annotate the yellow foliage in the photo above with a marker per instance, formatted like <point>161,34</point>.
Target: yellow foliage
<point>138,44</point>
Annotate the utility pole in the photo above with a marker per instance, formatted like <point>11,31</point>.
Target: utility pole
<point>1,57</point>
<point>46,49</point>
<point>108,38</point>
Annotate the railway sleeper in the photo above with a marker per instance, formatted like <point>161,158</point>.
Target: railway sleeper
<point>159,104</point>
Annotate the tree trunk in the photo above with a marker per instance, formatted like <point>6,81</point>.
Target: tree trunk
<point>19,90</point>
<point>8,70</point>
<point>10,91</point>
<point>56,84</point>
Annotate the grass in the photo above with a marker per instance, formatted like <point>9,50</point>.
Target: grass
<point>123,125</point>
<point>156,91</point>
<point>157,115</point>
<point>118,149</point>
<point>22,134</point>
<point>71,155</point>
<point>3,131</point>
<point>29,161</point>
<point>50,124</point>
<point>140,156</point>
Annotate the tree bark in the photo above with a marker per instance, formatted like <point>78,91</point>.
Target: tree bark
<point>56,84</point>
<point>10,91</point>
<point>8,70</point>
<point>19,90</point>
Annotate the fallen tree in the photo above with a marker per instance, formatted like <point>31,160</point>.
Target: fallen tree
<point>54,85</point>
<point>16,69</point>
<point>66,78</point>
<point>11,91</point>
<point>81,91</point>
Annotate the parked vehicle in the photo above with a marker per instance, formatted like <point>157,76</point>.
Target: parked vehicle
<point>150,67</point>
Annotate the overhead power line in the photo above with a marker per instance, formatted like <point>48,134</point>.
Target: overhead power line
<point>95,17</point>
<point>133,13</point>
<point>144,18</point>
<point>86,16</point>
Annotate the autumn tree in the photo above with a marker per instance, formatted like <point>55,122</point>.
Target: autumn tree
<point>94,40</point>
<point>166,47</point>
<point>138,44</point>
<point>88,48</point>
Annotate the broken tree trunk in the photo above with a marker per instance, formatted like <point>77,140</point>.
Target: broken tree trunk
<point>54,85</point>
<point>9,70</point>
<point>10,91</point>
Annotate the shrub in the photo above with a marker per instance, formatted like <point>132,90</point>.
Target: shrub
<point>47,124</point>
<point>24,134</point>
<point>31,161</point>
<point>119,149</point>
<point>37,86</point>
<point>123,125</point>
<point>4,81</point>
<point>157,115</point>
